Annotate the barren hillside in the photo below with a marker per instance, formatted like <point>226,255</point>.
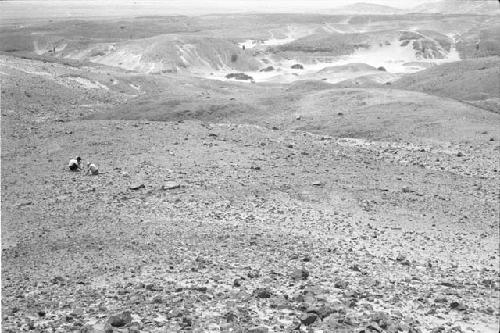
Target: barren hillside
<point>290,204</point>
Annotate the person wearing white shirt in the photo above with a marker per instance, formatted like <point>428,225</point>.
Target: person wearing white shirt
<point>74,164</point>
<point>92,169</point>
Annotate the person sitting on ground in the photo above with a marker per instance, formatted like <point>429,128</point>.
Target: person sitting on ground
<point>92,169</point>
<point>74,164</point>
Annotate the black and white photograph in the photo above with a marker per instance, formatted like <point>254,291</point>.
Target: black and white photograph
<point>250,166</point>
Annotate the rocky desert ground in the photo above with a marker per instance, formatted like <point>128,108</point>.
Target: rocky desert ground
<point>340,197</point>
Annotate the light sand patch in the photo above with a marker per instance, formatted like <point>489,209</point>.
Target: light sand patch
<point>88,84</point>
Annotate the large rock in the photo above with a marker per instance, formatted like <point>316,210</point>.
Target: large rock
<point>458,306</point>
<point>308,318</point>
<point>325,310</point>
<point>121,319</point>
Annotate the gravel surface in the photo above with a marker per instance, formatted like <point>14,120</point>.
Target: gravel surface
<point>210,227</point>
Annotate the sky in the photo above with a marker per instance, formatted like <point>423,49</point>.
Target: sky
<point>33,9</point>
<point>322,3</point>
<point>329,3</point>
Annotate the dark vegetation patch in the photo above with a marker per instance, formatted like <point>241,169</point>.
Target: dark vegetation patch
<point>239,76</point>
<point>267,69</point>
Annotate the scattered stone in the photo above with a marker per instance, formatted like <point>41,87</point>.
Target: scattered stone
<point>307,258</point>
<point>355,268</point>
<point>137,186</point>
<point>121,319</point>
<point>175,313</point>
<point>57,279</point>
<point>31,324</point>
<point>186,322</point>
<point>400,257</point>
<point>448,284</point>
<point>341,284</point>
<point>230,317</point>
<point>323,311</point>
<point>157,299</point>
<point>253,274</point>
<point>262,293</point>
<point>458,306</point>
<point>308,318</point>
<point>406,263</point>
<point>300,274</point>
<point>24,203</point>
<point>382,319</point>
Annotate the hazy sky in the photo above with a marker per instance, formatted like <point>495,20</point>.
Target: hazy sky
<point>217,3</point>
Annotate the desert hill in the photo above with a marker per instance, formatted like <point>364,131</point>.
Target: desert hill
<point>475,7</point>
<point>475,81</point>
<point>278,187</point>
<point>167,53</point>
<point>212,46</point>
<point>363,8</point>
